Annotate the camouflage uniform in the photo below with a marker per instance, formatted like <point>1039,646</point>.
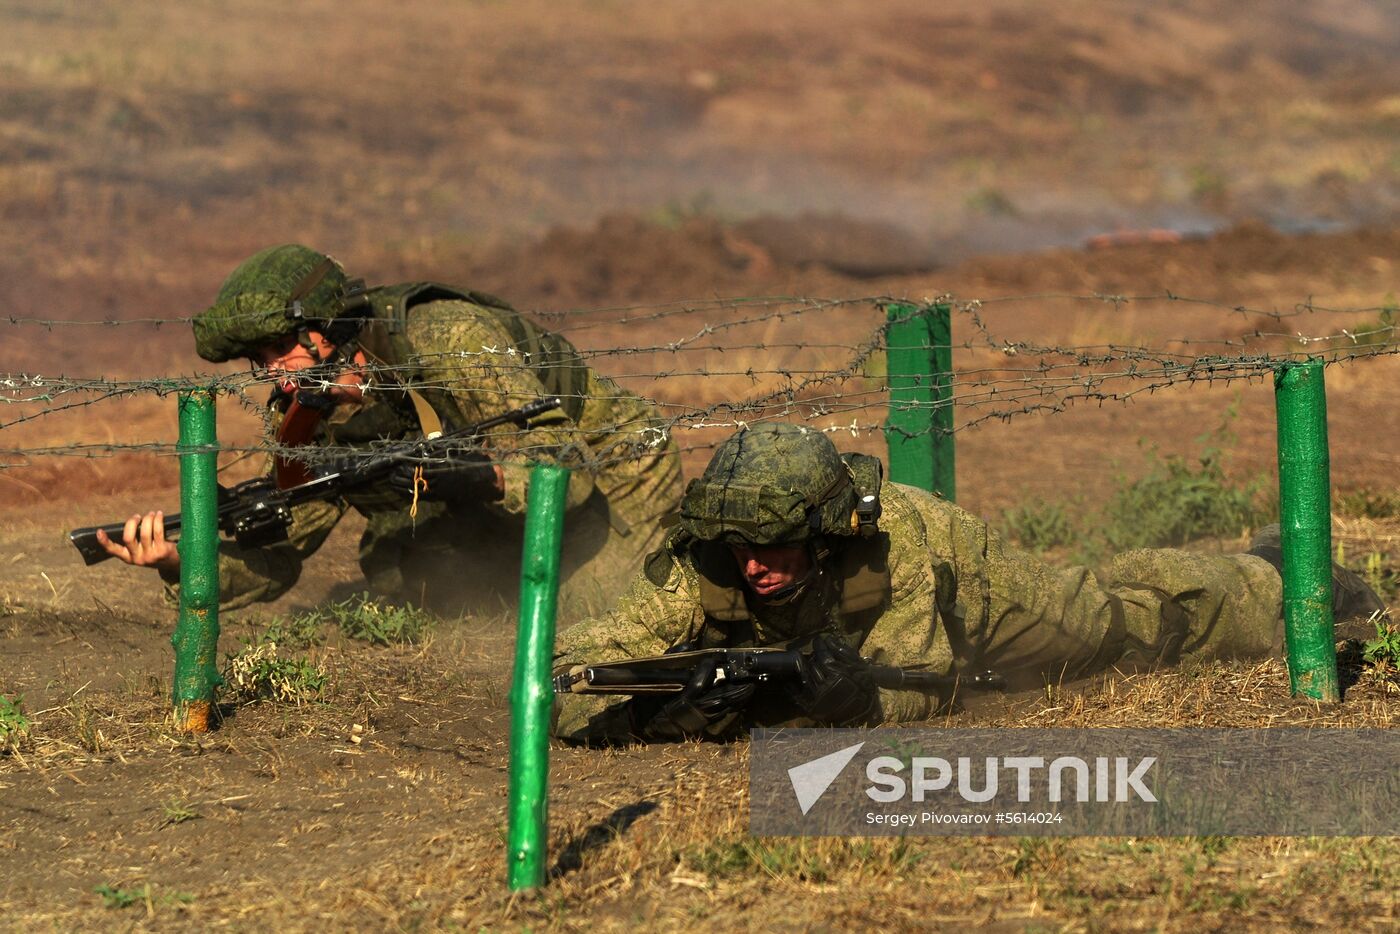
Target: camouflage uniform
<point>935,587</point>
<point>470,357</point>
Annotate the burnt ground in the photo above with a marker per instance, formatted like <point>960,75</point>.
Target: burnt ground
<point>625,157</point>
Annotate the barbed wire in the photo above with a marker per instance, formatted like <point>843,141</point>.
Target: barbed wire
<point>716,375</point>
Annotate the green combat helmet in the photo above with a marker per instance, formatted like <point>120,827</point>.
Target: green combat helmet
<point>776,484</point>
<point>276,292</point>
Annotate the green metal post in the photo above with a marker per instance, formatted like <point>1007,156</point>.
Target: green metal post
<point>196,638</point>
<point>531,693</point>
<point>919,429</point>
<point>1305,511</point>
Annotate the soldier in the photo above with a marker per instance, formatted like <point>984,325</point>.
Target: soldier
<point>355,367</point>
<point>784,539</point>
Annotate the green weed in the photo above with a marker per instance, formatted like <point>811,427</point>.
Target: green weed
<point>14,725</point>
<point>1368,504</point>
<point>124,898</point>
<point>258,673</point>
<point>1178,502</point>
<point>1384,650</point>
<point>176,811</point>
<point>380,623</point>
<point>1039,526</point>
<point>300,631</point>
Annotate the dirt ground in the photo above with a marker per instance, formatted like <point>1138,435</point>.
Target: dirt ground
<point>1191,178</point>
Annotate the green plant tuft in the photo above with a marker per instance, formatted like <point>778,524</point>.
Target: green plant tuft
<point>1174,503</point>
<point>300,631</point>
<point>113,897</point>
<point>14,725</point>
<point>1177,502</point>
<point>1368,504</point>
<point>258,673</point>
<point>1038,526</point>
<point>122,898</point>
<point>1383,651</point>
<point>380,623</point>
<point>176,811</point>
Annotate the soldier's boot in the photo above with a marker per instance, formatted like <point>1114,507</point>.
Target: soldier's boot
<point>1352,597</point>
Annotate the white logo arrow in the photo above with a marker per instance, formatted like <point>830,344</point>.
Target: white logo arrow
<point>810,780</point>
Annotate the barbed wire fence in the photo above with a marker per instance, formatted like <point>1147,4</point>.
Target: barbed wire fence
<point>705,368</point>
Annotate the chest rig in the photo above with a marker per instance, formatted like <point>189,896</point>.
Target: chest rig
<point>552,360</point>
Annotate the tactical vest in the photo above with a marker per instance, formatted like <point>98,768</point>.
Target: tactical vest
<point>551,359</point>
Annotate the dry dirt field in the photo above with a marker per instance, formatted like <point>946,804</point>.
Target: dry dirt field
<point>635,174</point>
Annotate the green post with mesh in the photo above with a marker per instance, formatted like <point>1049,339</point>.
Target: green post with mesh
<point>532,693</point>
<point>1305,511</point>
<point>919,428</point>
<point>196,637</point>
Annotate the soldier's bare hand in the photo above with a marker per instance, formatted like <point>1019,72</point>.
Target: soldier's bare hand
<point>144,543</point>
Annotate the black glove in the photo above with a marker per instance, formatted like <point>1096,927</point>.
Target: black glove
<point>836,688</point>
<point>699,706</point>
<point>462,476</point>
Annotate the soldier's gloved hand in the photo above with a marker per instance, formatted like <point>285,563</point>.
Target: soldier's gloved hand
<point>836,688</point>
<point>463,476</point>
<point>700,706</point>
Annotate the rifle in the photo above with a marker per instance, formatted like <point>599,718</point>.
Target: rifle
<point>256,512</point>
<point>669,674</point>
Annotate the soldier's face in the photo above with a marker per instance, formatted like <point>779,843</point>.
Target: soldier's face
<point>286,357</point>
<point>768,569</point>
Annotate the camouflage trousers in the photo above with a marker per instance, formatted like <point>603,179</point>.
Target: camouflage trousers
<point>1031,622</point>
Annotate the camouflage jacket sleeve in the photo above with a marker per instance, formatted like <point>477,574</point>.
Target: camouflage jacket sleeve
<point>909,631</point>
<point>649,619</point>
<point>254,575</point>
<point>465,351</point>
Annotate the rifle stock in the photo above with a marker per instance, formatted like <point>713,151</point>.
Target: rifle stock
<point>255,512</point>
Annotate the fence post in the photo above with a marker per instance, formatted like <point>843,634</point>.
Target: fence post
<point>196,637</point>
<point>531,693</point>
<point>1305,512</point>
<point>919,428</point>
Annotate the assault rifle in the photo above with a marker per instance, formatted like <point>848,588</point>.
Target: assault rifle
<point>669,674</point>
<point>256,512</point>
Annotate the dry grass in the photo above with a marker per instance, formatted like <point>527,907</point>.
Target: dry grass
<point>386,804</point>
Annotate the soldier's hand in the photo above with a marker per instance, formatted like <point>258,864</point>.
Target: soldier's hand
<point>465,476</point>
<point>699,707</point>
<point>144,543</point>
<point>836,687</point>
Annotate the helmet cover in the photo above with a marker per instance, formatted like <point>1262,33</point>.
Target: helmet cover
<point>273,293</point>
<point>771,484</point>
